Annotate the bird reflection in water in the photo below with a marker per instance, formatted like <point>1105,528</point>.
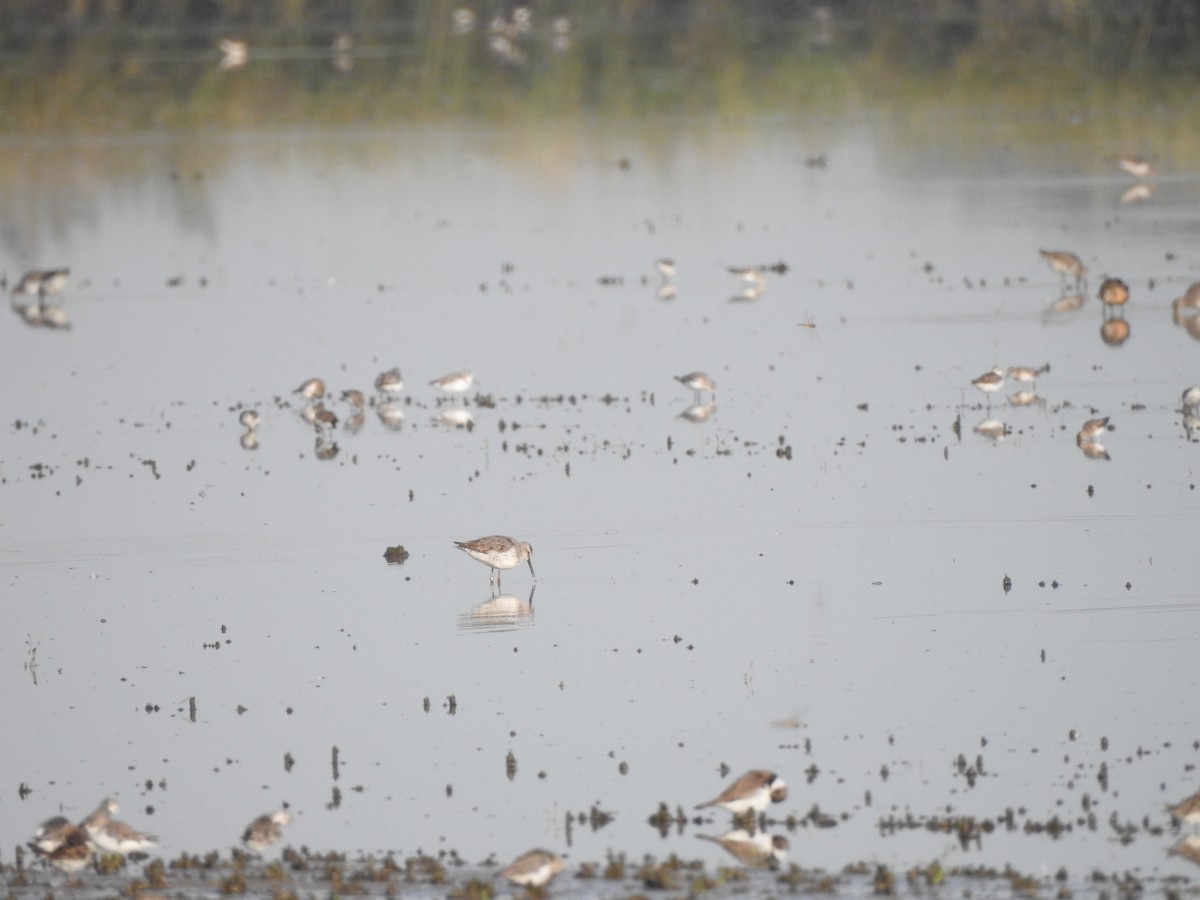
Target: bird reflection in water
<point>42,285</point>
<point>699,412</point>
<point>456,417</point>
<point>503,613</point>
<point>390,414</point>
<point>1064,303</point>
<point>325,447</point>
<point>1187,847</point>
<point>1135,193</point>
<point>758,850</point>
<point>1185,310</point>
<point>1024,398</point>
<point>992,428</point>
<point>1088,438</point>
<point>1114,332</point>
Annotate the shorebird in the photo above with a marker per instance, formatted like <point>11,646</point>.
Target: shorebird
<point>455,382</point>
<point>1137,166</point>
<point>698,382</point>
<point>389,383</point>
<point>990,382</point>
<point>355,398</point>
<point>666,268</point>
<point>1091,430</point>
<point>1067,265</point>
<point>1191,397</point>
<point>753,792</point>
<point>324,420</point>
<point>312,389</point>
<point>749,274</point>
<point>265,830</point>
<point>51,835</point>
<point>534,869</point>
<point>115,837</point>
<point>1027,374</point>
<point>249,418</point>
<point>498,552</point>
<point>1113,292</point>
<point>71,855</point>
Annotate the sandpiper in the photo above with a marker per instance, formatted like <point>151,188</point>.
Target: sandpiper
<point>1092,429</point>
<point>1191,397</point>
<point>753,792</point>
<point>1137,166</point>
<point>109,834</point>
<point>1114,292</point>
<point>498,552</point>
<point>666,268</point>
<point>355,398</point>
<point>1187,810</point>
<point>42,283</point>
<point>455,382</point>
<point>389,383</point>
<point>72,854</point>
<point>265,830</point>
<point>990,382</point>
<point>749,274</point>
<point>534,869</point>
<point>325,419</point>
<point>312,389</point>
<point>698,382</point>
<point>249,418</point>
<point>1065,264</point>
<point>1027,374</point>
<point>51,834</point>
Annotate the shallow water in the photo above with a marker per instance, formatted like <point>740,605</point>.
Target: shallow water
<point>809,581</point>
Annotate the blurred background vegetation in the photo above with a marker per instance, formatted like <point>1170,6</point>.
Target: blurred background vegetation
<point>112,65</point>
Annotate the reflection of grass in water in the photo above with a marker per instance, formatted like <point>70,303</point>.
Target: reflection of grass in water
<point>31,658</point>
<point>613,90</point>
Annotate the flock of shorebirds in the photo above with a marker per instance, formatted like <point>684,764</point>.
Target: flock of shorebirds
<point>71,847</point>
<point>388,387</point>
<point>1113,294</point>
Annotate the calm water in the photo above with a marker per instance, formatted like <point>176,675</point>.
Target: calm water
<point>809,581</point>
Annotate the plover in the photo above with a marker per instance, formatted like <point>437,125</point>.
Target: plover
<point>753,792</point>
